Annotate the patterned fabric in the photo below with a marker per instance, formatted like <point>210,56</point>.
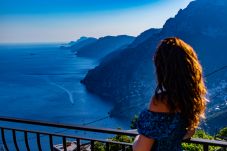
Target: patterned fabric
<point>167,129</point>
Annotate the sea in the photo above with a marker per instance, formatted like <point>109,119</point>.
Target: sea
<point>42,82</point>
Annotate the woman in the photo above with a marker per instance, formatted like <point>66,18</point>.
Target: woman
<point>179,101</point>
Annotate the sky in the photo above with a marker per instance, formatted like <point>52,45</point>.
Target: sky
<point>37,21</point>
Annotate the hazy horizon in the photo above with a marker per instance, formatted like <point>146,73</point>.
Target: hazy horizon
<point>62,21</point>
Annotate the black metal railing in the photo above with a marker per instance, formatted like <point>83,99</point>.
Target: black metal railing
<point>13,136</point>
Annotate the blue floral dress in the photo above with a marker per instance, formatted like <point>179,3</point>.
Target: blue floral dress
<point>167,129</point>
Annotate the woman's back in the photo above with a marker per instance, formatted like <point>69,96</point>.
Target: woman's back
<point>167,129</point>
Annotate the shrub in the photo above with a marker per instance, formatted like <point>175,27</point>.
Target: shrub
<point>222,132</point>
<point>195,147</point>
<point>134,122</point>
<point>98,146</point>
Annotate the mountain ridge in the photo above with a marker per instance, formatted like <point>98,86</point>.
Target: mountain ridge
<point>128,78</point>
<point>104,45</point>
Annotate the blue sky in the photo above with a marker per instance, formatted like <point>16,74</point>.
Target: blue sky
<point>30,21</point>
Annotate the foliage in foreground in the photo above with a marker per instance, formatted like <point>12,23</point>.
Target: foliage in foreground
<point>186,146</point>
<point>222,132</point>
<point>114,147</point>
<point>196,147</point>
<point>203,134</point>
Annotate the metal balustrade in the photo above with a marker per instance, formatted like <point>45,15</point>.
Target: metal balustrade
<point>79,140</point>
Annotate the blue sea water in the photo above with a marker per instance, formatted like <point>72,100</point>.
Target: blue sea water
<point>42,82</point>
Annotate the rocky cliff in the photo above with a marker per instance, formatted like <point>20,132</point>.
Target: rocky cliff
<point>127,78</point>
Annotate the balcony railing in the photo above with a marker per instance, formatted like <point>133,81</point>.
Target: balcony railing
<point>20,134</point>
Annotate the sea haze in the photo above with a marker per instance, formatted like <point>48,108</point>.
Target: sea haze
<point>42,82</point>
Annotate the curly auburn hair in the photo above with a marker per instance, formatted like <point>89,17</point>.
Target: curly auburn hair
<point>179,77</point>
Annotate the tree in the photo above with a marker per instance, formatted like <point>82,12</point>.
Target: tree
<point>134,122</point>
<point>222,133</point>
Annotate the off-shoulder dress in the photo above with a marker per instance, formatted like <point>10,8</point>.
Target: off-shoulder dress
<point>167,129</point>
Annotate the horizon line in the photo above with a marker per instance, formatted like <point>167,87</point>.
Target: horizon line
<point>63,42</point>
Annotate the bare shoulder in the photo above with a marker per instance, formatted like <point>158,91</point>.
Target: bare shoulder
<point>158,105</point>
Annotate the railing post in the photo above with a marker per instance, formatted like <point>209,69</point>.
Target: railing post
<point>92,145</point>
<point>15,140</point>
<point>64,143</point>
<point>51,142</point>
<point>205,147</point>
<point>78,144</point>
<point>107,146</point>
<point>26,140</point>
<point>4,140</point>
<point>130,147</point>
<point>123,148</point>
<point>38,141</point>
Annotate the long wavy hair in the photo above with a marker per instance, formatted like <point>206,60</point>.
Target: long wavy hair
<point>180,79</point>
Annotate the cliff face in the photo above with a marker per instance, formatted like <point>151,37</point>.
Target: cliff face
<point>104,45</point>
<point>127,78</point>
